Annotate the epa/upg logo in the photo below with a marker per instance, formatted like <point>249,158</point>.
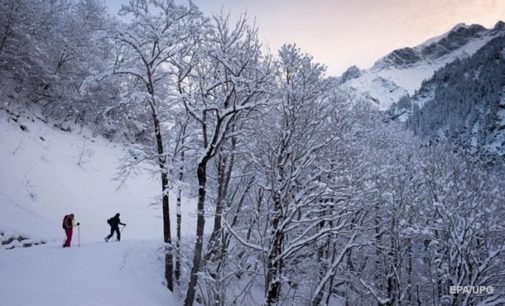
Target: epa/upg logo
<point>471,289</point>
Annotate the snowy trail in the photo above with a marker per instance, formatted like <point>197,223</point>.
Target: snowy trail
<point>98,273</point>
<point>40,182</point>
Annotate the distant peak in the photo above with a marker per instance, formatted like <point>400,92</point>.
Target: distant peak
<point>459,26</point>
<point>436,47</point>
<point>465,27</point>
<point>351,73</point>
<point>353,70</point>
<point>403,57</point>
<point>500,25</point>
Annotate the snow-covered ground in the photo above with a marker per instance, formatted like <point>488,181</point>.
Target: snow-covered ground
<point>46,173</point>
<point>41,181</point>
<point>95,274</point>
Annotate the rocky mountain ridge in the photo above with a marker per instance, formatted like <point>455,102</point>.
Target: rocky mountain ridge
<point>401,72</point>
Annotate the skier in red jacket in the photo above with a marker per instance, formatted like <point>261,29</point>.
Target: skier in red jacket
<point>68,225</point>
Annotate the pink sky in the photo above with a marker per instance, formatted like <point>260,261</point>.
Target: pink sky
<point>341,33</point>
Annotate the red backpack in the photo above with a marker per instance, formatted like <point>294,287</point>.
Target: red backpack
<point>65,221</point>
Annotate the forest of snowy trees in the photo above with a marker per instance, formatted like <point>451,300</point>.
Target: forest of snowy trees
<point>464,103</point>
<point>314,197</point>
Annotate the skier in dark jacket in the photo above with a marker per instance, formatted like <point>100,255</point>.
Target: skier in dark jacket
<point>114,227</point>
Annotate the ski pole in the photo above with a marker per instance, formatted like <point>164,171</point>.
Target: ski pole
<point>120,231</point>
<point>78,235</point>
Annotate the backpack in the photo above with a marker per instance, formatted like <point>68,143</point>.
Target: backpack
<point>64,221</point>
<point>109,221</point>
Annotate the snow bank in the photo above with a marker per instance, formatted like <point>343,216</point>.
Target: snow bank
<point>108,274</point>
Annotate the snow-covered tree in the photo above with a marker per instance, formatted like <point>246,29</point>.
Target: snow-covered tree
<point>48,49</point>
<point>157,33</point>
<point>230,80</point>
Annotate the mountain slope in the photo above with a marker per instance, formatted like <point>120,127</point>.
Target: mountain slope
<point>47,173</point>
<point>464,103</point>
<point>401,72</point>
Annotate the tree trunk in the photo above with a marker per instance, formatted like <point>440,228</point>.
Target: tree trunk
<point>332,279</point>
<point>322,254</point>
<point>179,219</point>
<point>8,26</point>
<point>275,264</point>
<point>378,273</point>
<point>275,269</point>
<point>214,240</point>
<point>393,290</point>
<point>225,166</point>
<point>410,300</point>
<point>200,226</point>
<point>167,236</point>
